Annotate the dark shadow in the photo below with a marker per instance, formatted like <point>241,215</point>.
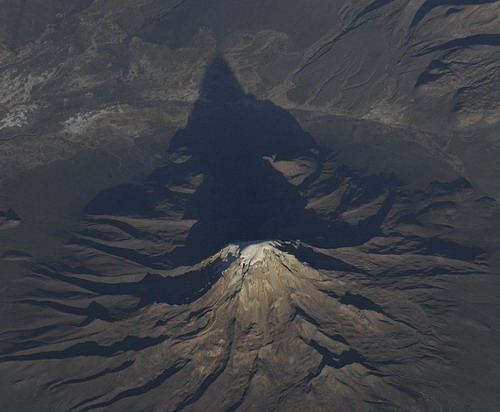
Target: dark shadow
<point>139,390</point>
<point>429,5</point>
<point>152,288</point>
<point>430,75</point>
<point>320,260</point>
<point>361,302</point>
<point>229,144</point>
<point>338,361</point>
<point>105,372</point>
<point>92,312</point>
<point>486,39</point>
<point>228,137</point>
<point>91,348</point>
<point>231,140</point>
<point>10,214</point>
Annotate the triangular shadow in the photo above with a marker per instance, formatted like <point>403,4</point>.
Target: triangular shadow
<point>231,143</point>
<point>229,137</point>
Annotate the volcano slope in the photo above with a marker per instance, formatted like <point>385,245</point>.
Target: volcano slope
<point>252,271</point>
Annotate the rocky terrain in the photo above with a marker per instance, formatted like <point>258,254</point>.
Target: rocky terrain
<point>228,205</point>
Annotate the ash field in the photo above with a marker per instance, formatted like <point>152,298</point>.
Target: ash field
<point>249,206</point>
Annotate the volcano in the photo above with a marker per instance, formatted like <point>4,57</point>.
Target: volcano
<point>252,270</point>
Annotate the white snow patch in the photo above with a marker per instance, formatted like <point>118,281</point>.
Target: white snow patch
<point>250,253</point>
<point>18,116</point>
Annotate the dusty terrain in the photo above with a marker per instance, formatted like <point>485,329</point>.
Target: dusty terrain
<point>228,205</point>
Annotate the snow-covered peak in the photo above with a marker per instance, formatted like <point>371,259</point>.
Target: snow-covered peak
<point>252,252</point>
